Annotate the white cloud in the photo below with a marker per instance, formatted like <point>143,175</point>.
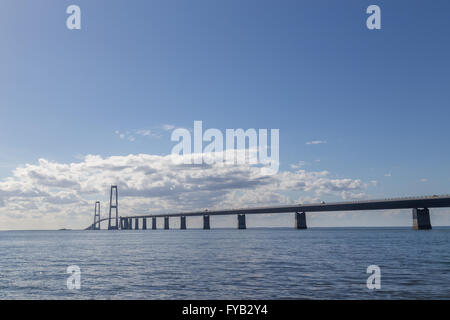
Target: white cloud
<point>144,132</point>
<point>347,195</point>
<point>423,180</point>
<point>168,127</point>
<point>299,164</point>
<point>388,175</point>
<point>152,183</point>
<point>132,135</point>
<point>316,142</point>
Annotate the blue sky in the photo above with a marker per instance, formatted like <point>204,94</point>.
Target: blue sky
<point>379,98</point>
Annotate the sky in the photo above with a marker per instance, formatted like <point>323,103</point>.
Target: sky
<point>362,114</point>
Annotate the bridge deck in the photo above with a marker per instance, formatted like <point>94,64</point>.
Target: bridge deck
<point>384,204</point>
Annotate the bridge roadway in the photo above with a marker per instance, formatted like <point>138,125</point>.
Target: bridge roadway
<point>385,204</point>
<point>419,205</point>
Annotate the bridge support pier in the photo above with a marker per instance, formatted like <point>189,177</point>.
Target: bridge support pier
<point>206,225</point>
<point>421,219</point>
<point>130,223</point>
<point>166,223</point>
<point>241,221</point>
<point>183,222</point>
<point>136,224</point>
<point>144,223</point>
<point>122,223</point>
<point>300,220</point>
<point>154,223</point>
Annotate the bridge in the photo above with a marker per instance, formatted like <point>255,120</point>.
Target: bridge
<point>419,205</point>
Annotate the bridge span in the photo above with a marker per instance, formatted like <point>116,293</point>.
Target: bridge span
<point>420,212</point>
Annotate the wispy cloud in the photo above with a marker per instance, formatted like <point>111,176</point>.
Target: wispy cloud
<point>388,175</point>
<point>423,180</point>
<point>125,135</point>
<point>144,132</point>
<point>299,164</point>
<point>131,135</point>
<point>316,142</point>
<point>168,127</point>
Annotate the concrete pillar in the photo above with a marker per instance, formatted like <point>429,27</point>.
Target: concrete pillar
<point>241,221</point>
<point>206,225</point>
<point>130,223</point>
<point>183,222</point>
<point>300,220</point>
<point>136,224</point>
<point>166,223</point>
<point>121,223</point>
<point>144,224</point>
<point>421,219</point>
<point>154,223</point>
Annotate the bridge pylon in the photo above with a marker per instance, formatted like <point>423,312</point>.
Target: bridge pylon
<point>96,225</point>
<point>113,204</point>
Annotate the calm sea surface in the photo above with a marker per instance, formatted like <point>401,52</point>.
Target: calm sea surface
<point>318,263</point>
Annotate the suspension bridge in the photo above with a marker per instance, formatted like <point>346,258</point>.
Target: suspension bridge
<point>420,207</point>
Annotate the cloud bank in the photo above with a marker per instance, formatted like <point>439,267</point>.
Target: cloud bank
<point>152,183</point>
